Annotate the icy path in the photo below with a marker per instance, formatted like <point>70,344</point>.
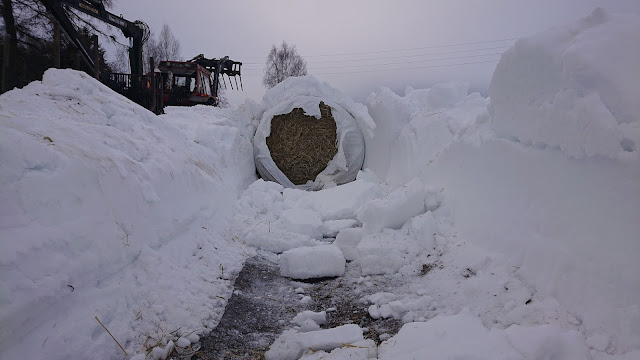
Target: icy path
<point>415,269</point>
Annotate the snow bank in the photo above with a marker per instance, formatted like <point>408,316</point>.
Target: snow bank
<point>574,87</point>
<point>109,211</point>
<point>354,127</point>
<point>463,336</point>
<point>394,209</point>
<point>556,190</point>
<point>413,130</point>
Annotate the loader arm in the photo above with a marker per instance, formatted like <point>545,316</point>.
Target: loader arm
<point>133,30</point>
<point>219,68</point>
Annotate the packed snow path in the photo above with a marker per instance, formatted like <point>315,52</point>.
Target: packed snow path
<point>264,303</point>
<point>417,272</point>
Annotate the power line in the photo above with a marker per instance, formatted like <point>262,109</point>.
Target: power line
<point>398,57</point>
<point>416,48</point>
<point>402,63</point>
<point>407,62</point>
<point>398,69</point>
<point>408,68</point>
<point>405,49</point>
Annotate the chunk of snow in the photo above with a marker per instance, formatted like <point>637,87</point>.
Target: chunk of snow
<point>312,262</point>
<point>319,318</point>
<point>361,350</point>
<point>302,221</point>
<point>183,342</point>
<point>308,325</point>
<point>193,338</point>
<point>347,240</point>
<point>393,210</point>
<point>161,353</point>
<point>385,253</point>
<point>331,228</point>
<point>336,203</point>
<point>277,240</point>
<point>290,345</point>
<point>424,228</point>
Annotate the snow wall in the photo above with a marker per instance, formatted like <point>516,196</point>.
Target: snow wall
<point>109,211</point>
<point>548,173</point>
<point>354,128</point>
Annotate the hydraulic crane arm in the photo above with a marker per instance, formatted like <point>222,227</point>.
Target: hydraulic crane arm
<point>134,30</point>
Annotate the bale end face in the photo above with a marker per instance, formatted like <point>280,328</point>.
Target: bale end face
<point>301,145</point>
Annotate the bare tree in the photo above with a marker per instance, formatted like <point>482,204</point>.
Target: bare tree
<point>164,46</point>
<point>281,63</point>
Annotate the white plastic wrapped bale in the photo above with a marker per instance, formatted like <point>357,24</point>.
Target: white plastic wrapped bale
<point>560,89</point>
<point>312,262</point>
<point>353,123</point>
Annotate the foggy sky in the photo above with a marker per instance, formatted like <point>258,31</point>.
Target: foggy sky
<point>328,33</point>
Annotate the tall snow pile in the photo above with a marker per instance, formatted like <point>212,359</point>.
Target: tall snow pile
<point>111,213</point>
<point>574,88</point>
<point>354,127</point>
<point>548,175</point>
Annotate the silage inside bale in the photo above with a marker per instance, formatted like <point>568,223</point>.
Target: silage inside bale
<point>302,145</point>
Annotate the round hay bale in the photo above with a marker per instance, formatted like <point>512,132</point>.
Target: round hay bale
<point>313,133</point>
<point>302,145</point>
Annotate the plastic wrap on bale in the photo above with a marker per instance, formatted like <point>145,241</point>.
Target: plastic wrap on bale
<point>310,135</point>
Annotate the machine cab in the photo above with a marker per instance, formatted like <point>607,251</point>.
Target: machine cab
<point>185,84</point>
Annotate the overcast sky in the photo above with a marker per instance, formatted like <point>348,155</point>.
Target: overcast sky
<point>357,45</point>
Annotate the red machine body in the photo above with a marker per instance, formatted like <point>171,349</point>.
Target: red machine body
<point>186,83</point>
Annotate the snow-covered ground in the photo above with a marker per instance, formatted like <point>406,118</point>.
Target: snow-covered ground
<point>494,228</point>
